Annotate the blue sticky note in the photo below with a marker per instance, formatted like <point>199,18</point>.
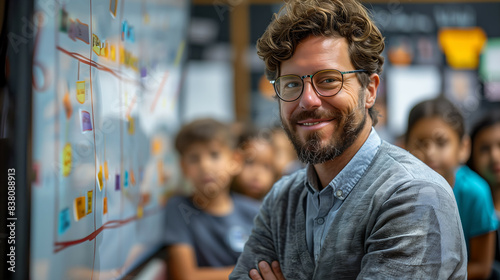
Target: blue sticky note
<point>125,180</point>
<point>64,221</point>
<point>117,182</point>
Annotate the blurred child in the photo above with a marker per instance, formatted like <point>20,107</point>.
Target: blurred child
<point>258,173</point>
<point>205,233</point>
<point>436,135</point>
<point>485,160</point>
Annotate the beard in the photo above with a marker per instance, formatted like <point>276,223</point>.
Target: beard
<point>311,149</point>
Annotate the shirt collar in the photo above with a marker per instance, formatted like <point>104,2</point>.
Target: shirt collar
<point>349,176</point>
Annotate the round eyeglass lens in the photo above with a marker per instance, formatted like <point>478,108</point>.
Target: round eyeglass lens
<point>327,82</point>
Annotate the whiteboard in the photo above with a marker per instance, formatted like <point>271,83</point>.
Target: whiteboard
<point>106,81</point>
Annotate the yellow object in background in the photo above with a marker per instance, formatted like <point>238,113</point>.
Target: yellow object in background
<point>67,106</point>
<point>106,173</point>
<point>131,127</point>
<point>80,91</point>
<point>99,178</point>
<point>105,205</point>
<point>89,201</point>
<point>140,212</point>
<point>156,146</point>
<point>66,160</point>
<point>79,208</point>
<point>462,46</point>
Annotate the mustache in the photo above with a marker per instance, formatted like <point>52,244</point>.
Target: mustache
<point>314,114</point>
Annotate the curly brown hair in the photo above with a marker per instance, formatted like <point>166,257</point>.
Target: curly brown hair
<point>299,19</point>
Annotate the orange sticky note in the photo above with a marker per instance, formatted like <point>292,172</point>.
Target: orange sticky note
<point>79,208</point>
<point>89,202</point>
<point>106,173</point>
<point>80,91</point>
<point>66,160</point>
<point>99,178</point>
<point>105,205</point>
<point>156,146</point>
<point>67,106</point>
<point>132,177</point>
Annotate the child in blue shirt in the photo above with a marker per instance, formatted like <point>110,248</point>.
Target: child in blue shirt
<point>205,232</point>
<point>436,135</point>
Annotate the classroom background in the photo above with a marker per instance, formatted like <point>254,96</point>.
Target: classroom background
<point>93,92</point>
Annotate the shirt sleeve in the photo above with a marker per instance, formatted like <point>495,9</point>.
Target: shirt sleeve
<point>259,246</point>
<point>178,217</point>
<point>417,234</point>
<point>484,218</point>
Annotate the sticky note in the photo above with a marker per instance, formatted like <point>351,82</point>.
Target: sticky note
<point>105,205</point>
<point>81,31</point>
<point>67,106</point>
<point>117,182</point>
<point>156,146</point>
<point>131,126</point>
<point>89,202</point>
<point>86,122</point>
<point>145,198</point>
<point>124,30</point>
<point>63,20</point>
<point>96,44</point>
<point>132,177</point>
<point>79,208</point>
<point>64,221</point>
<point>72,30</point>
<point>125,179</point>
<point>100,178</point>
<point>66,160</point>
<point>462,46</point>
<point>113,4</point>
<point>106,173</point>
<point>112,53</point>
<point>80,91</point>
<point>140,212</point>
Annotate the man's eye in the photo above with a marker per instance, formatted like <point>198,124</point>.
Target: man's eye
<point>292,85</point>
<point>215,155</point>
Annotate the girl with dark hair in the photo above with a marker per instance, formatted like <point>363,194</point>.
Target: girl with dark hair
<point>436,135</point>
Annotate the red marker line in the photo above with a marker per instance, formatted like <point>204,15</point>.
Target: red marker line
<point>94,64</point>
<point>59,246</point>
<point>162,84</point>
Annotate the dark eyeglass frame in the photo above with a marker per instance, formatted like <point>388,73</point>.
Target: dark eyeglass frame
<point>312,82</point>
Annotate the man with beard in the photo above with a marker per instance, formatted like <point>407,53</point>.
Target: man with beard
<point>362,208</point>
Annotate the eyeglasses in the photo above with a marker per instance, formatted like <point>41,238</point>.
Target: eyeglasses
<point>324,82</point>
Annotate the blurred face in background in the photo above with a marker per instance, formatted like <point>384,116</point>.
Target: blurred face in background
<point>258,173</point>
<point>486,151</point>
<point>209,166</point>
<point>438,145</point>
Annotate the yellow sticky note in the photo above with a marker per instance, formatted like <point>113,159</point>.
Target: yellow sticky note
<point>106,173</point>
<point>79,208</point>
<point>140,212</point>
<point>105,205</point>
<point>112,53</point>
<point>96,44</point>
<point>99,178</point>
<point>80,91</point>
<point>89,202</point>
<point>131,127</point>
<point>66,160</point>
<point>462,46</point>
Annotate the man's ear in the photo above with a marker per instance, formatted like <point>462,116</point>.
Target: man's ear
<point>371,90</point>
<point>465,149</point>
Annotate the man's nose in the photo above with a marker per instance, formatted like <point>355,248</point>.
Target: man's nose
<point>309,98</point>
